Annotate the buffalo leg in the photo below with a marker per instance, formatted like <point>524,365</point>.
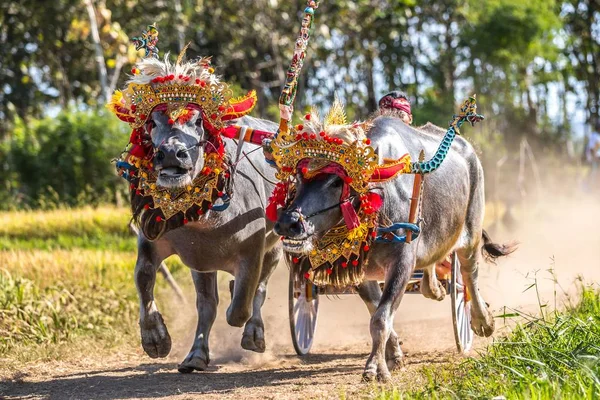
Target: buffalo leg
<point>370,293</point>
<point>482,320</point>
<point>254,333</point>
<point>382,319</point>
<point>207,300</point>
<point>155,336</point>
<point>431,287</point>
<point>246,282</point>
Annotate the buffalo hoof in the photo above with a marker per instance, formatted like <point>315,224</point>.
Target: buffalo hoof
<point>370,376</point>
<point>253,338</point>
<point>482,325</point>
<point>395,363</point>
<point>435,291</point>
<point>156,340</point>
<point>393,353</point>
<point>376,372</point>
<point>195,361</point>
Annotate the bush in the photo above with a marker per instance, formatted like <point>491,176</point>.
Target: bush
<point>63,160</point>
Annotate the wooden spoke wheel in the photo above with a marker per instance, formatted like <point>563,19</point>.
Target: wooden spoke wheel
<point>303,311</point>
<point>461,309</point>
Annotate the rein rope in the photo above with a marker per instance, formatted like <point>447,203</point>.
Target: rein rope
<point>324,210</point>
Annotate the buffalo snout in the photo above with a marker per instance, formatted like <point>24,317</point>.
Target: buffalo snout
<point>172,155</point>
<point>289,225</point>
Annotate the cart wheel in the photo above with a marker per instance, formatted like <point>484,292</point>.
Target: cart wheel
<point>461,309</point>
<point>303,312</point>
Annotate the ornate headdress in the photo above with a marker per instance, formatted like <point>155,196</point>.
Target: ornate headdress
<point>177,90</point>
<point>334,147</point>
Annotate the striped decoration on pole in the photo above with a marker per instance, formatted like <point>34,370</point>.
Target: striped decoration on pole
<point>288,94</point>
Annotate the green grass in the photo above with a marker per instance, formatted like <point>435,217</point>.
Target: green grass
<point>105,228</point>
<point>66,283</point>
<point>32,317</point>
<point>553,356</point>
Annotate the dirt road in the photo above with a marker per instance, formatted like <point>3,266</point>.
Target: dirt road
<point>564,240</point>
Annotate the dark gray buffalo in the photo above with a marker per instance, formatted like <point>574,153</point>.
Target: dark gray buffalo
<point>238,240</point>
<point>453,211</point>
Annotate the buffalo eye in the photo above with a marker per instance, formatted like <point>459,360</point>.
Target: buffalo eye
<point>337,183</point>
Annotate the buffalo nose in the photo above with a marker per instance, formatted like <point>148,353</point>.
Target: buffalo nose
<point>289,224</point>
<point>170,154</point>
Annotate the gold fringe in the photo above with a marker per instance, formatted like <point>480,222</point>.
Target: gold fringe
<point>336,115</point>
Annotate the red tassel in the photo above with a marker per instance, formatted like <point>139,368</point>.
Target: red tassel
<point>271,211</point>
<point>375,201</point>
<point>277,199</point>
<point>350,217</point>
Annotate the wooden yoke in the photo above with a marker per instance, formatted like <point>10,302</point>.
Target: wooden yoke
<point>415,199</point>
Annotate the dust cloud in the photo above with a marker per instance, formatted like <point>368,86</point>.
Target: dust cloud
<point>559,241</point>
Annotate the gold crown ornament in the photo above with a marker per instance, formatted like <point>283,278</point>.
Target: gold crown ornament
<point>326,142</point>
<point>176,87</point>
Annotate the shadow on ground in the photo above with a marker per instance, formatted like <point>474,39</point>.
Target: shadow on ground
<point>162,379</point>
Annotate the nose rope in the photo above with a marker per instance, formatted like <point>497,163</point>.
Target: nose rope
<point>324,210</point>
<point>303,219</point>
<point>155,149</point>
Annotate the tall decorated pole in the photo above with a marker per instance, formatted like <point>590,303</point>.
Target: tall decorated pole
<point>288,94</point>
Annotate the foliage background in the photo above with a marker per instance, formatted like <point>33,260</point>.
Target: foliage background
<point>533,64</point>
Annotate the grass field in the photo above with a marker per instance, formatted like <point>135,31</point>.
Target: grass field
<point>554,355</point>
<point>66,287</point>
<point>65,280</point>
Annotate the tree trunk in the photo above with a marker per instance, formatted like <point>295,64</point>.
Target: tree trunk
<point>370,81</point>
<point>180,25</point>
<point>103,76</point>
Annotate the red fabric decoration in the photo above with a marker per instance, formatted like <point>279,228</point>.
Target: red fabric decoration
<point>277,199</point>
<point>138,151</point>
<point>231,132</point>
<point>137,136</point>
<point>241,107</point>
